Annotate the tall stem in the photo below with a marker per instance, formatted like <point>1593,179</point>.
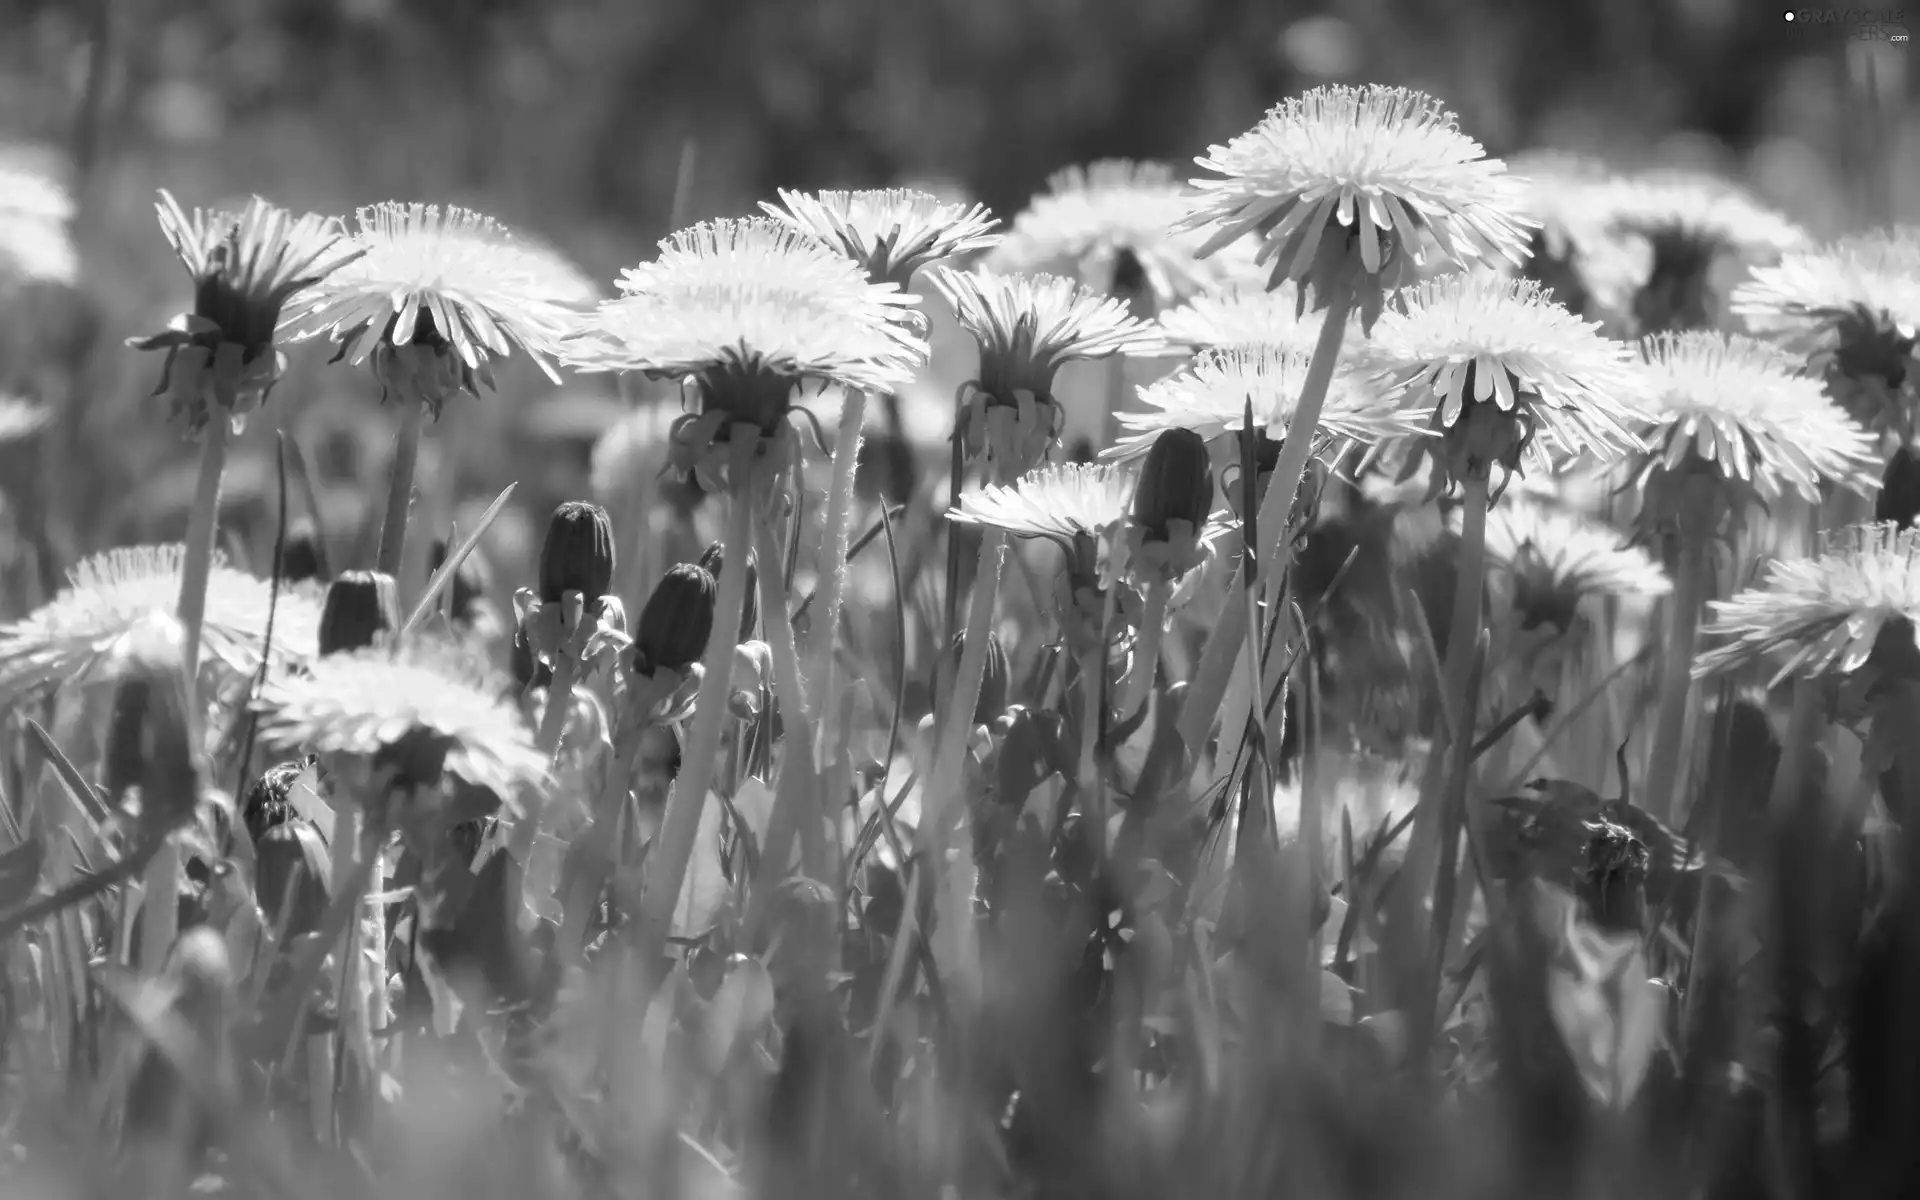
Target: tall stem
<point>1210,680</point>
<point>673,845</point>
<point>1666,772</point>
<point>795,795</point>
<point>1146,660</point>
<point>393,530</point>
<point>553,726</point>
<point>831,564</point>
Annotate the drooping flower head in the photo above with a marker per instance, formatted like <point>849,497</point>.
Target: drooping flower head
<point>1113,227</point>
<point>1508,371</point>
<point>1687,223</point>
<point>381,706</point>
<point>749,310</point>
<point>1744,419</point>
<point>34,213</point>
<point>890,232</point>
<point>244,266</point>
<point>1827,615</point>
<point>1550,558</point>
<point>1245,316</point>
<point>109,594</point>
<point>1352,183</point>
<point>436,296</point>
<point>1027,327</point>
<point>1851,307</point>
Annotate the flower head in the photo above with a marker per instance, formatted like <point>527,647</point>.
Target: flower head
<point>436,295</point>
<point>1112,226</point>
<point>1746,411</point>
<point>1381,168</point>
<point>891,233</point>
<point>358,705</point>
<point>110,594</point>
<point>1027,327</point>
<point>1552,558</point>
<point>1852,308</point>
<point>749,309</point>
<point>1821,615</point>
<point>21,419</point>
<point>1061,502</point>
<point>1210,397</point>
<point>34,212</point>
<point>245,266</point>
<point>1245,316</point>
<point>1575,256</point>
<point>1512,372</point>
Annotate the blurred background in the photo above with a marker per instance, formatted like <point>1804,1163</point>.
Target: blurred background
<point>596,125</point>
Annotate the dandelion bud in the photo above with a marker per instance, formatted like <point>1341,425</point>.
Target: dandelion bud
<point>578,553</point>
<point>300,558</point>
<point>1176,484</point>
<point>994,677</point>
<point>1899,498</point>
<point>528,670</point>
<point>713,559</point>
<point>677,621</point>
<point>884,470</point>
<point>417,758</point>
<point>361,606</point>
<point>148,744</point>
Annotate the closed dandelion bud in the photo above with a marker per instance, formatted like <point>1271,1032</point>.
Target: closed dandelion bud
<point>578,553</point>
<point>677,621</point>
<point>300,558</point>
<point>1176,484</point>
<point>713,559</point>
<point>361,607</point>
<point>1899,498</point>
<point>528,671</point>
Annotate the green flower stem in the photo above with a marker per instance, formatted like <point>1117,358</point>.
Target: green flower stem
<point>832,559</point>
<point>393,530</point>
<point>673,845</point>
<point>1673,711</point>
<point>1276,508</point>
<point>1799,858</point>
<point>1147,649</point>
<point>160,922</point>
<point>797,768</point>
<point>553,726</point>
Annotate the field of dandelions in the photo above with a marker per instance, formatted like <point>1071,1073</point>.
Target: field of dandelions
<point>1396,675</point>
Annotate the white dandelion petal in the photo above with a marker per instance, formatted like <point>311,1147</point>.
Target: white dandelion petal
<point>1749,408</point>
<point>1374,161</point>
<point>1101,222</point>
<point>486,292</point>
<point>890,232</point>
<point>109,594</point>
<point>1517,348</point>
<point>1819,616</point>
<point>1249,316</point>
<point>754,296</point>
<point>1560,551</point>
<point>1027,326</point>
<point>1210,397</point>
<point>1712,214</point>
<point>1810,296</point>
<point>359,703</point>
<point>1060,502</point>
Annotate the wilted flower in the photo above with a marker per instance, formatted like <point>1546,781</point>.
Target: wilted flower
<point>436,296</point>
<point>34,213</point>
<point>109,594</point>
<point>1823,615</point>
<point>1027,327</point>
<point>1244,316</point>
<point>358,705</point>
<point>1852,309</point>
<point>1512,373</point>
<point>1111,226</point>
<point>1553,558</point>
<point>891,233</point>
<point>1380,168</point>
<point>362,608</point>
<point>677,622</point>
<point>1688,222</point>
<point>750,310</point>
<point>245,266</point>
<point>1210,396</point>
<point>1745,413</point>
<point>21,419</point>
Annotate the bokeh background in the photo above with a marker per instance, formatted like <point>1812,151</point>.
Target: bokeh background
<point>597,125</point>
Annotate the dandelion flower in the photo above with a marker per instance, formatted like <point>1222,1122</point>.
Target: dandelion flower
<point>109,594</point>
<point>891,233</point>
<point>436,295</point>
<point>1210,397</point>
<point>1111,226</point>
<point>21,419</point>
<point>750,309</point>
<point>1746,411</point>
<point>245,266</point>
<point>1060,502</point>
<point>1822,615</point>
<point>1688,222</point>
<point>1027,327</point>
<point>357,704</point>
<point>1554,558</point>
<point>34,213</point>
<point>1386,168</point>
<point>1852,309</point>
<point>1242,316</point>
<point>1511,371</point>
<point>1575,257</point>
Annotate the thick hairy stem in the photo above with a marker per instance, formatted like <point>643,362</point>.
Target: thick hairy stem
<point>673,845</point>
<point>393,529</point>
<point>831,563</point>
<point>1666,768</point>
<point>1210,680</point>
